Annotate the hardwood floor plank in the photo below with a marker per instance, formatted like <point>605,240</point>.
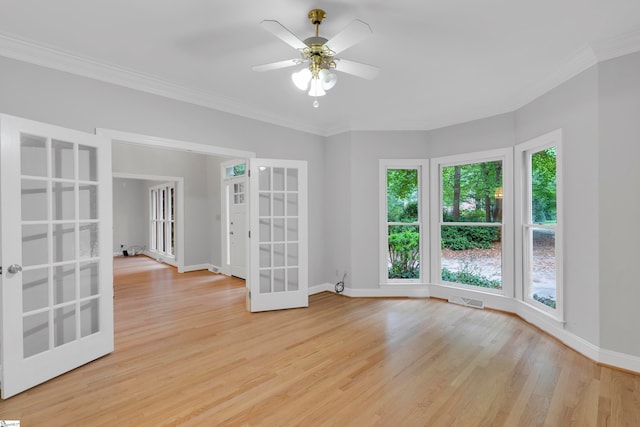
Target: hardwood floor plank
<point>188,354</point>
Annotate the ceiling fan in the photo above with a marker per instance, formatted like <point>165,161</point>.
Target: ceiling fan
<point>319,55</point>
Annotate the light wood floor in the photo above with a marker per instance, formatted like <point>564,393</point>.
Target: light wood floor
<point>187,353</point>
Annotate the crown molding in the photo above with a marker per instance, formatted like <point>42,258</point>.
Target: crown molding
<point>586,57</point>
<point>620,45</point>
<point>45,56</point>
<point>575,64</point>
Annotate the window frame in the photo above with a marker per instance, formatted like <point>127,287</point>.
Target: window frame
<point>524,224</point>
<point>162,219</point>
<point>506,156</point>
<point>422,166</point>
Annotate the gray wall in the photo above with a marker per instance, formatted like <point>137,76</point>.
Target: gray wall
<point>64,99</point>
<point>573,106</point>
<point>198,191</point>
<point>130,225</point>
<point>619,178</point>
<point>598,111</point>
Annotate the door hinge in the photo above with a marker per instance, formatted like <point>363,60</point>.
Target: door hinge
<point>249,233</point>
<point>0,270</point>
<point>249,173</point>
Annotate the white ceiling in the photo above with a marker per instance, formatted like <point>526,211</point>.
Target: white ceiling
<point>442,61</point>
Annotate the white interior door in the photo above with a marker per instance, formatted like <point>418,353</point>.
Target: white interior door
<point>57,278</point>
<point>238,227</point>
<point>278,256</point>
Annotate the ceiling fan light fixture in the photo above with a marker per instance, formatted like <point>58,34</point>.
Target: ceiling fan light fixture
<point>316,88</point>
<point>327,79</point>
<point>301,78</point>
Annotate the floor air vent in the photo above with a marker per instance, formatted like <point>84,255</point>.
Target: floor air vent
<point>469,302</point>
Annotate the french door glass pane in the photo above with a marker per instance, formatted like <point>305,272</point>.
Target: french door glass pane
<point>278,230</point>
<point>265,281</point>
<point>35,245</point>
<point>34,200</point>
<point>33,155</point>
<point>88,163</point>
<point>264,202</point>
<point>278,179</point>
<point>63,201</point>
<point>278,204</point>
<point>292,179</point>
<point>89,278</point>
<point>64,283</point>
<point>292,279</point>
<point>472,255</point>
<point>292,229</point>
<point>472,192</point>
<point>89,317</point>
<point>404,252</point>
<point>64,325</point>
<point>88,197</point>
<point>265,230</point>
<point>543,266</point>
<point>64,242</point>
<point>35,333</point>
<point>279,280</point>
<point>35,289</point>
<point>89,241</point>
<point>63,165</point>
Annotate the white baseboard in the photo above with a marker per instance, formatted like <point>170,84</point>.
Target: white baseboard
<point>214,268</point>
<point>527,313</point>
<point>195,267</point>
<point>620,360</point>
<point>324,287</point>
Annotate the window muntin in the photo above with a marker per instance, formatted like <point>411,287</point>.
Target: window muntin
<point>162,220</point>
<point>471,224</point>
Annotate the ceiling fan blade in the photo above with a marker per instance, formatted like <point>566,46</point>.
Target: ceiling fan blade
<point>276,65</point>
<point>278,30</point>
<point>357,69</point>
<point>349,36</point>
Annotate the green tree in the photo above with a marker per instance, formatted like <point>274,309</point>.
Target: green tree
<point>543,185</point>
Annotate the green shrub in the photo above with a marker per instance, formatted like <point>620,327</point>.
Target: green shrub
<point>549,302</point>
<point>469,278</point>
<point>404,252</point>
<point>459,238</point>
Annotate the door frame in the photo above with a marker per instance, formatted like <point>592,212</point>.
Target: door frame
<point>179,145</point>
<point>179,250</point>
<point>224,213</point>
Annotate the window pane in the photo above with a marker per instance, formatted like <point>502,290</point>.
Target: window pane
<point>543,186</point>
<point>472,255</point>
<point>543,267</point>
<point>404,252</point>
<point>402,195</point>
<point>472,192</point>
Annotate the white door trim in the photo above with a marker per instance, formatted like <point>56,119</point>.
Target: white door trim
<point>179,180</point>
<point>173,144</point>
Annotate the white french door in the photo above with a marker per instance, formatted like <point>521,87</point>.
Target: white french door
<point>56,228</point>
<point>278,255</point>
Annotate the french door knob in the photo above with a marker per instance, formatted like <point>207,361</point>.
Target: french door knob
<point>14,268</point>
